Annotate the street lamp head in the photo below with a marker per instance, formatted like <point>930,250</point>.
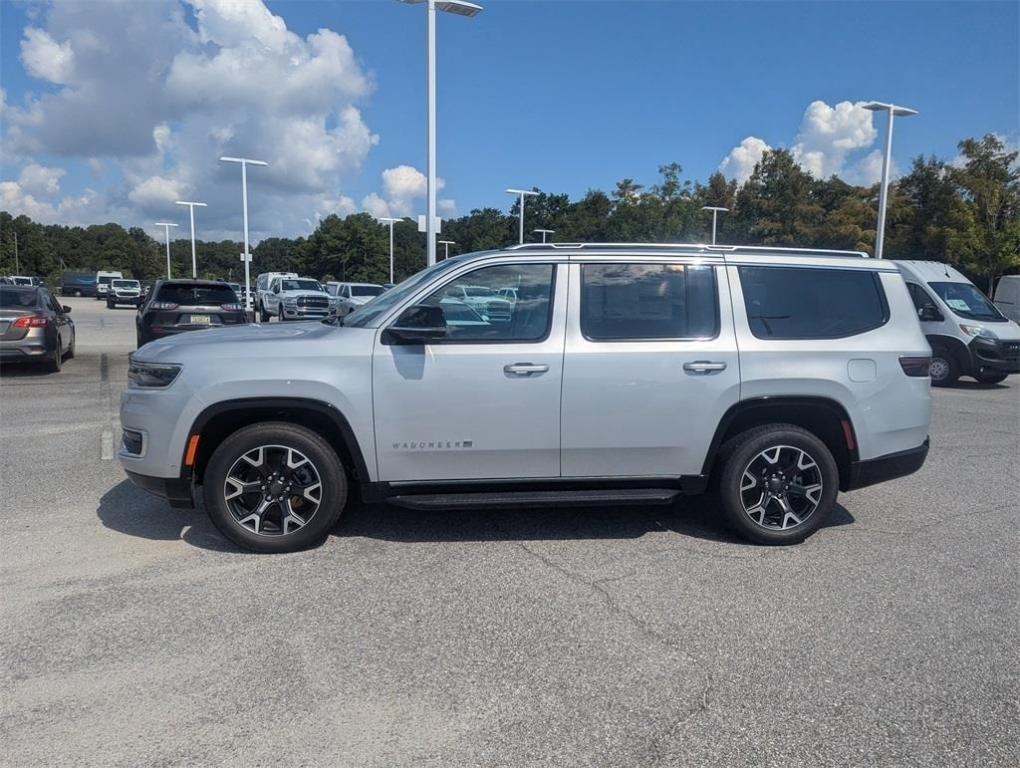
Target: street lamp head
<point>165,224</point>
<point>389,219</point>
<point>458,7</point>
<point>512,191</point>
<point>188,202</point>
<point>247,160</point>
<point>547,231</point>
<point>713,208</point>
<point>881,106</point>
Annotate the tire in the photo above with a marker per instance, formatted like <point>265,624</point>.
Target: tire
<point>800,461</point>
<point>56,362</point>
<point>263,315</point>
<point>69,355</point>
<point>281,444</point>
<point>77,294</point>
<point>990,377</point>
<point>944,369</point>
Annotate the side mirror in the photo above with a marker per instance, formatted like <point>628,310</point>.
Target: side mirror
<point>66,309</point>
<point>276,289</point>
<point>929,314</point>
<point>418,324</point>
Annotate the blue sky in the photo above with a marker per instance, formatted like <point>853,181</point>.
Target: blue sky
<point>563,95</point>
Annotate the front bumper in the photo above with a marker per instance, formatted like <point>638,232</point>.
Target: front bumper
<point>888,467</point>
<point>114,299</point>
<point>177,491</point>
<point>311,313</point>
<point>994,355</point>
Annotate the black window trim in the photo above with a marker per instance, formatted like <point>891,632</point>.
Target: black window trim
<point>650,339</point>
<point>549,320</point>
<point>875,279</point>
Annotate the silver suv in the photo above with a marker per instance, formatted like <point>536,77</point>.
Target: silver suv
<point>621,374</point>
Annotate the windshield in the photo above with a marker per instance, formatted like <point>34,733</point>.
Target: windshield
<point>967,301</point>
<point>300,285</point>
<point>124,283</point>
<point>22,281</point>
<point>105,280</point>
<point>14,298</point>
<point>369,313</point>
<point>366,290</point>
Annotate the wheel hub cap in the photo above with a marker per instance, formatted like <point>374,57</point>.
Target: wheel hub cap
<point>273,490</point>
<point>781,487</point>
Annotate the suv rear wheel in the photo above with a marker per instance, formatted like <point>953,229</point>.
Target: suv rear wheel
<point>778,484</point>
<point>275,487</point>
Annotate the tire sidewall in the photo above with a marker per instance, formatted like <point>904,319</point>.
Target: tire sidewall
<point>321,454</point>
<point>952,369</point>
<point>744,448</point>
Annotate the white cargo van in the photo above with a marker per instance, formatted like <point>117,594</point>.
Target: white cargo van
<point>103,280</point>
<point>1007,296</point>
<point>968,335</point>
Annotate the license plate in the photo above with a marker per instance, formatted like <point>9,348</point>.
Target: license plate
<point>200,320</point>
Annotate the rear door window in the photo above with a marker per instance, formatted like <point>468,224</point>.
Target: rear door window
<point>635,302</point>
<point>812,303</point>
<point>197,295</point>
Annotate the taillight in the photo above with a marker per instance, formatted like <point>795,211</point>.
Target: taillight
<point>232,307</point>
<point>163,305</point>
<point>31,321</point>
<point>915,366</point>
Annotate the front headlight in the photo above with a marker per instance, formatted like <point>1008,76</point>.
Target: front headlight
<point>977,330</point>
<point>152,375</point>
<point>290,302</point>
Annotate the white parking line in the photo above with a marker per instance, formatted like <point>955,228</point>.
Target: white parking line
<point>106,445</point>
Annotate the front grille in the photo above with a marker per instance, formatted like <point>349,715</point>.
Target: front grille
<point>313,301</point>
<point>1011,348</point>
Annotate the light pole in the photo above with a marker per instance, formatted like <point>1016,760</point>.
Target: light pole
<point>715,209</point>
<point>460,8</point>
<point>391,221</point>
<point>245,161</point>
<point>446,248</point>
<point>191,210</point>
<point>544,232</point>
<point>883,192</point>
<point>522,193</point>
<point>166,228</point>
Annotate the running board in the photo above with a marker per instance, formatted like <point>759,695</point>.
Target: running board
<point>624,496</point>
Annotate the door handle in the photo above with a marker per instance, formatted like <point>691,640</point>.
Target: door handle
<point>524,369</point>
<point>704,366</point>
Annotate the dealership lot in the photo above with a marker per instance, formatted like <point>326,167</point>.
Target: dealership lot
<point>134,634</point>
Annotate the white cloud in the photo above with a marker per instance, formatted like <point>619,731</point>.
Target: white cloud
<point>828,134</point>
<point>375,205</point>
<point>17,200</point>
<point>151,103</point>
<point>45,58</point>
<point>40,180</point>
<point>740,162</point>
<point>826,144</point>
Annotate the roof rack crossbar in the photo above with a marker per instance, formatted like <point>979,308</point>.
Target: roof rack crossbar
<point>705,247</point>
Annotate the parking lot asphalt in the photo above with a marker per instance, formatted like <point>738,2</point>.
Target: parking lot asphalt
<point>134,635</point>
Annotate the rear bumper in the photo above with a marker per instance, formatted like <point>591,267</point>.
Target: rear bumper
<point>175,490</point>
<point>34,344</point>
<point>888,467</point>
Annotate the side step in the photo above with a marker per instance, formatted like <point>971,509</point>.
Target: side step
<point>625,496</point>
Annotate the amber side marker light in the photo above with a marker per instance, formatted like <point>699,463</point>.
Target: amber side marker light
<point>189,454</point>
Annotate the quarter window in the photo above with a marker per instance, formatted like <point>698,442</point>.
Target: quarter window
<point>810,303</point>
<point>648,301</point>
<point>478,310</point>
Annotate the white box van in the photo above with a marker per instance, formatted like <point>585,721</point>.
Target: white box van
<point>103,280</point>
<point>1007,296</point>
<point>968,335</point>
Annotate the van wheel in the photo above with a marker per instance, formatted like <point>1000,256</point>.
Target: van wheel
<point>990,377</point>
<point>778,484</point>
<point>944,370</point>
<point>275,487</point>
<point>77,294</point>
<point>263,315</point>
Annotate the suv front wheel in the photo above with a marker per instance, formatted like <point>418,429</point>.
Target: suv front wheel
<point>275,487</point>
<point>778,484</point>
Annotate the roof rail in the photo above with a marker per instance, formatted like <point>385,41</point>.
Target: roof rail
<point>704,247</point>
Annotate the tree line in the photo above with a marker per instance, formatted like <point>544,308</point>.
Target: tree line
<point>965,212</point>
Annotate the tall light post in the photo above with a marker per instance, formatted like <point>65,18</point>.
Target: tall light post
<point>245,162</point>
<point>166,228</point>
<point>460,8</point>
<point>391,221</point>
<point>715,209</point>
<point>522,193</point>
<point>446,247</point>
<point>883,193</point>
<point>544,232</point>
<point>191,210</point>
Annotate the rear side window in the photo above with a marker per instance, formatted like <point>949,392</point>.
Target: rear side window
<point>196,295</point>
<point>621,302</point>
<point>812,303</point>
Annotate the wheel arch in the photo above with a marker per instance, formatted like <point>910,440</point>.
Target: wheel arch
<point>825,418</point>
<point>222,419</point>
<point>954,347</point>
